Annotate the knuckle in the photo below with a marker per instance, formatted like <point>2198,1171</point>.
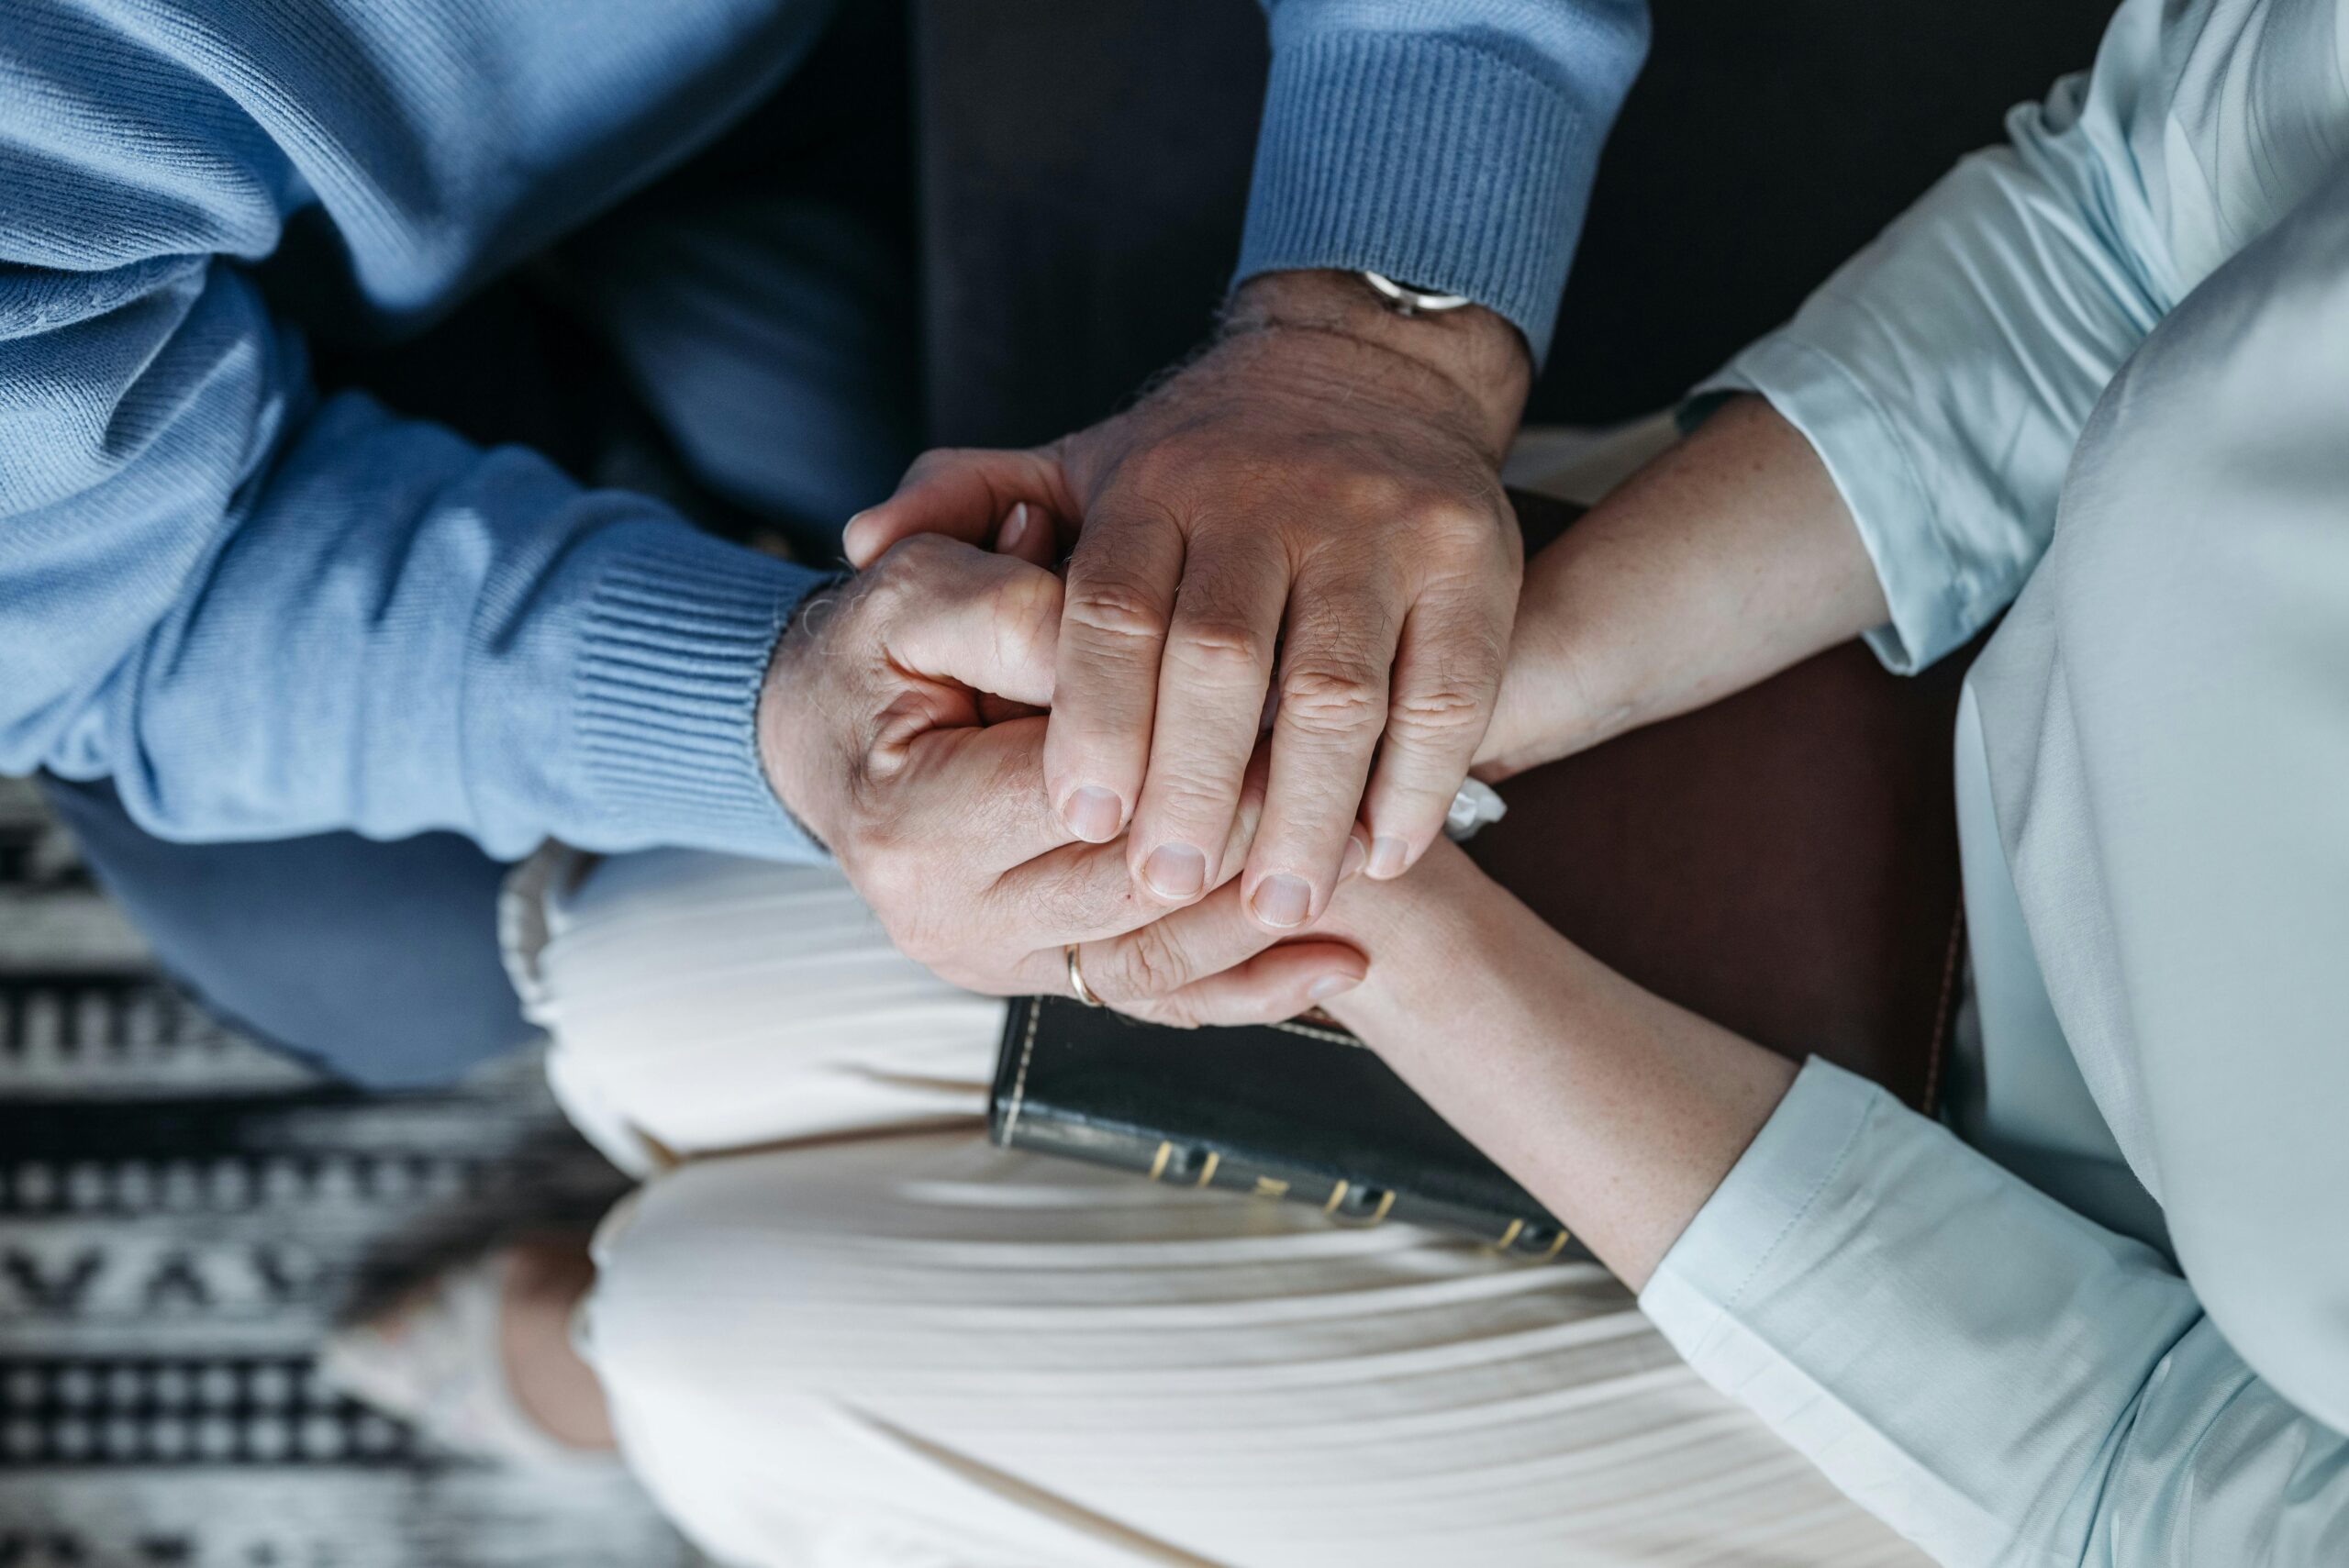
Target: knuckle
<point>1438,714</point>
<point>1222,651</point>
<point>917,556</point>
<point>1115,611</point>
<point>1377,493</point>
<point>1150,964</point>
<point>1025,618</point>
<point>1184,798</point>
<point>1331,697</point>
<point>898,584</point>
<point>1451,523</point>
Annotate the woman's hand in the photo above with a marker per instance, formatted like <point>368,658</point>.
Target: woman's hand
<point>1726,560</point>
<point>1729,558</point>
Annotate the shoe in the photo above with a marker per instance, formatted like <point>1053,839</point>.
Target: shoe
<point>435,1361</point>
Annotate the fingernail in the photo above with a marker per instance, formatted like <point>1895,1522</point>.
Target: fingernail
<point>1015,528</point>
<point>1387,857</point>
<point>1283,901</point>
<point>1331,985</point>
<point>1353,860</point>
<point>1176,870</point>
<point>1093,814</point>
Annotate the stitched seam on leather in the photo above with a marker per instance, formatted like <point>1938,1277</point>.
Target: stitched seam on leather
<point>1019,1079</point>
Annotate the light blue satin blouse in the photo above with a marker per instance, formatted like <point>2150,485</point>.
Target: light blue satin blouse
<point>2098,378</point>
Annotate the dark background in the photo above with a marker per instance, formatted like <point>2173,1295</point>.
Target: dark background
<point>1084,168</point>
<point>1066,181</point>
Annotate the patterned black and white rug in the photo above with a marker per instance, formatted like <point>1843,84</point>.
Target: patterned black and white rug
<point>182,1215</point>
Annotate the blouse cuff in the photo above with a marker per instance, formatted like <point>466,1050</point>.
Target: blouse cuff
<point>1936,603</point>
<point>1697,1290</point>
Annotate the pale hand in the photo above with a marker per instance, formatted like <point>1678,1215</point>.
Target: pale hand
<point>872,728</point>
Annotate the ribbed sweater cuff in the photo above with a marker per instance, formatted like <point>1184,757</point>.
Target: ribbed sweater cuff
<point>678,637</point>
<point>1430,160</point>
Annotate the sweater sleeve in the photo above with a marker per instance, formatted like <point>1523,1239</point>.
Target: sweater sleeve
<point>1449,143</point>
<point>266,614</point>
<point>1945,372</point>
<point>2005,1382</point>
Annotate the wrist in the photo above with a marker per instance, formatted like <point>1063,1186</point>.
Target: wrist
<point>1432,937</point>
<point>1567,687</point>
<point>788,722</point>
<point>1726,559</point>
<point>1469,366</point>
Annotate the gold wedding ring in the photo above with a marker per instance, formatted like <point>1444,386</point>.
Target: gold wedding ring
<point>1076,981</point>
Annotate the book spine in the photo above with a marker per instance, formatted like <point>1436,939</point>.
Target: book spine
<point>1347,1201</point>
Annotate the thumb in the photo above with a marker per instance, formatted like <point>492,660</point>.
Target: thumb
<point>963,492</point>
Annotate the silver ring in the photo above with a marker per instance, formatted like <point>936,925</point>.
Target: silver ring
<point>1076,981</point>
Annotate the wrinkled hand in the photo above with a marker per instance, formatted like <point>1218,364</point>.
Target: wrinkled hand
<point>872,728</point>
<point>1322,487</point>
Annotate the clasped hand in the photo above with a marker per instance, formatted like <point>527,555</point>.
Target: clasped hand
<point>1311,510</point>
<point>1285,617</point>
<point>901,722</point>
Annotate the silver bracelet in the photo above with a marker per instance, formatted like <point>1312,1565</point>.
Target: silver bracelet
<point>1475,804</point>
<point>1405,300</point>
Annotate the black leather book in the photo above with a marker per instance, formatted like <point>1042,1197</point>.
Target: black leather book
<point>1300,1111</point>
<point>1784,863</point>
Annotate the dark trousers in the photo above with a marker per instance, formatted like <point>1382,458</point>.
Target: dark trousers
<point>375,962</point>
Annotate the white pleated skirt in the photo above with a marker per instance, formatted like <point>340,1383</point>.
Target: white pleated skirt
<point>838,1328</point>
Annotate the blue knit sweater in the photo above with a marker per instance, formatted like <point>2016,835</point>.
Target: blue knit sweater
<point>264,613</point>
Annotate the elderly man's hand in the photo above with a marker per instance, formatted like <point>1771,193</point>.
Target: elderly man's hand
<point>873,725</point>
<point>1322,483</point>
